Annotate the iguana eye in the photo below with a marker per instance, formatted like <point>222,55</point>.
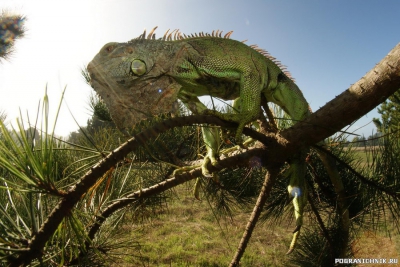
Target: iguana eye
<point>138,67</point>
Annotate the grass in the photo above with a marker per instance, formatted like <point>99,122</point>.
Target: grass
<point>188,234</point>
<point>365,154</point>
<point>377,246</point>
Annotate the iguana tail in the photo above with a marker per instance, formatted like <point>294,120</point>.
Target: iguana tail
<point>298,190</point>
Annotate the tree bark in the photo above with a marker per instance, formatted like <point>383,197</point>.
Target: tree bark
<point>363,96</point>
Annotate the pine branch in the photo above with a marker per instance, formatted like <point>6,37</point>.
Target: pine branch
<point>232,162</point>
<point>66,204</point>
<point>362,178</point>
<point>269,182</point>
<point>343,211</point>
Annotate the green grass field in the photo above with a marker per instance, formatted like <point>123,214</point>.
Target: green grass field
<point>365,154</point>
<point>187,233</point>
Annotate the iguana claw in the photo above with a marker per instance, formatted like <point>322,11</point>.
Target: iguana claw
<point>296,234</point>
<point>298,227</point>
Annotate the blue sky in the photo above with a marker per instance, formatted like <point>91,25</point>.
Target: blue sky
<point>326,45</point>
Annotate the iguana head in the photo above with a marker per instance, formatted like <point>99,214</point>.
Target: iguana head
<point>131,79</point>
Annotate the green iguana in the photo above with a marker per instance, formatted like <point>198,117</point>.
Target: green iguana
<point>145,76</point>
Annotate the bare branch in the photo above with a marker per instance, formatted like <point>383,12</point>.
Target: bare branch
<point>269,181</point>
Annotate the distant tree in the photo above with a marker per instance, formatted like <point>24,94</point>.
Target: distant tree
<point>374,139</point>
<point>390,115</point>
<point>100,119</point>
<point>74,137</point>
<point>359,141</point>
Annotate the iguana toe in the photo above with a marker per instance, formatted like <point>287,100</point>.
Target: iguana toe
<point>204,167</point>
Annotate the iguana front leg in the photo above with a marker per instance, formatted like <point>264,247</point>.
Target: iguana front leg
<point>236,105</point>
<point>212,142</point>
<point>241,118</point>
<point>211,139</point>
<point>249,99</point>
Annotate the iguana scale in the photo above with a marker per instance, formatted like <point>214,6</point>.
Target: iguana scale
<point>145,76</point>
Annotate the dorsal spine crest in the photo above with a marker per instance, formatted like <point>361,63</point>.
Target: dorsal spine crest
<point>176,35</point>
